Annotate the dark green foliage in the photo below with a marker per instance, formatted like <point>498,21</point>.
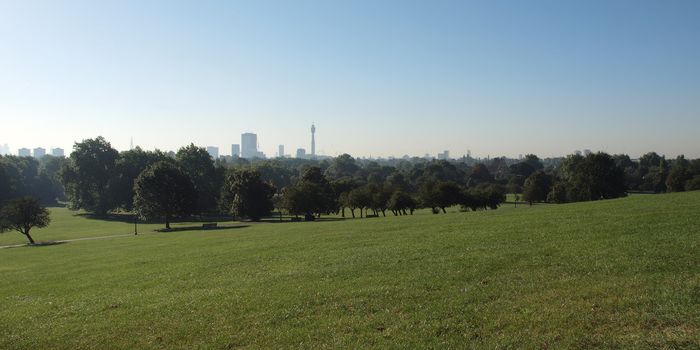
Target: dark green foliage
<point>165,191</point>
<point>693,184</point>
<point>22,214</point>
<point>480,174</point>
<point>359,198</point>
<point>199,165</point>
<point>274,173</point>
<point>245,194</point>
<point>440,195</point>
<point>400,202</point>
<point>678,176</point>
<point>596,176</point>
<point>342,166</point>
<point>89,175</point>
<point>311,196</point>
<point>129,166</point>
<point>483,197</point>
<point>537,187</point>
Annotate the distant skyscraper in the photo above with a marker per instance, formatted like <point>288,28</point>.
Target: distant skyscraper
<point>4,149</point>
<point>39,152</point>
<point>313,140</point>
<point>301,153</point>
<point>280,151</point>
<point>444,155</point>
<point>24,152</point>
<point>57,152</point>
<point>235,150</point>
<point>213,151</point>
<point>249,146</point>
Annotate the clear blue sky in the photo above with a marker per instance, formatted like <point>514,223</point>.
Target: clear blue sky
<point>377,77</point>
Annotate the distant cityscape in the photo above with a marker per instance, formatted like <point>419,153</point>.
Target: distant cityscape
<point>248,148</point>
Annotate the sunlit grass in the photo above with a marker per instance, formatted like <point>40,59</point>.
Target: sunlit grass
<point>622,273</point>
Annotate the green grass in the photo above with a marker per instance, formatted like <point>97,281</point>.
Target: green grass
<point>613,274</point>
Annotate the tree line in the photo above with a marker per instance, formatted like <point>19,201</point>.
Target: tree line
<point>153,184</point>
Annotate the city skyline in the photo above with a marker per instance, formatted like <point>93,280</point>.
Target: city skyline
<point>381,78</point>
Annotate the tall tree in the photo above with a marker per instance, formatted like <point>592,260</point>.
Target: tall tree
<point>199,165</point>
<point>22,214</point>
<point>245,195</point>
<point>165,191</point>
<point>88,176</point>
<point>537,187</point>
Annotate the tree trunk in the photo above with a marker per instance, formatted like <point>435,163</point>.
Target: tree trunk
<point>31,240</point>
<point>384,212</point>
<point>352,211</point>
<point>404,212</point>
<point>343,212</point>
<point>167,222</point>
<point>443,210</point>
<point>360,213</point>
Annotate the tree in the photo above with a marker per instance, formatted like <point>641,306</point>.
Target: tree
<point>22,214</point>
<point>359,198</point>
<point>678,176</point>
<point>598,177</point>
<point>401,201</point>
<point>693,184</point>
<point>199,165</point>
<point>164,190</point>
<point>245,195</point>
<point>537,187</point>
<point>342,166</point>
<point>480,174</point>
<point>129,166</point>
<point>89,174</point>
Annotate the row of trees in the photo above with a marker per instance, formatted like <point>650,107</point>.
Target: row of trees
<point>601,176</point>
<point>99,179</point>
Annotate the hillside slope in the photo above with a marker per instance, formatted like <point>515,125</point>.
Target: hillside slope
<point>618,273</point>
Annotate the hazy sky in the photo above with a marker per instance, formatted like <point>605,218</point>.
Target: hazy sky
<point>377,77</point>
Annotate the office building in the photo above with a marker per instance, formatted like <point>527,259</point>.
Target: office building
<point>249,145</point>
<point>39,152</point>
<point>58,152</point>
<point>4,149</point>
<point>24,152</point>
<point>301,153</point>
<point>445,155</point>
<point>213,152</point>
<point>235,150</point>
<point>280,151</point>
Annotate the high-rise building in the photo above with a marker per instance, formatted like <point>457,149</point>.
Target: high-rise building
<point>213,151</point>
<point>24,152</point>
<point>249,145</point>
<point>313,140</point>
<point>235,150</point>
<point>58,152</point>
<point>301,153</point>
<point>4,149</point>
<point>39,152</point>
<point>280,151</point>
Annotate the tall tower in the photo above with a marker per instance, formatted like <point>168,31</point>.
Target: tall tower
<point>313,140</point>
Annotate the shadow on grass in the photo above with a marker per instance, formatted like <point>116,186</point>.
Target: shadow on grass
<point>35,245</point>
<point>129,218</point>
<point>199,228</point>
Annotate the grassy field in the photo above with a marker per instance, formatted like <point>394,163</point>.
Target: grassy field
<point>613,274</point>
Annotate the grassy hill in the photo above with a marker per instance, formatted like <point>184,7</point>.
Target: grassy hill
<point>621,273</point>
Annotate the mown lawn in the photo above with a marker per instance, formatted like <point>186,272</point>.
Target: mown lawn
<point>613,274</point>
